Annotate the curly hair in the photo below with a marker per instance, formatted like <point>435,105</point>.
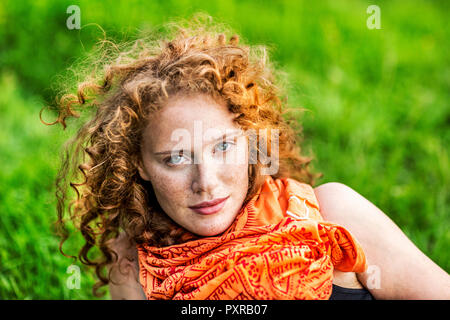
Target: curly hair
<point>126,85</point>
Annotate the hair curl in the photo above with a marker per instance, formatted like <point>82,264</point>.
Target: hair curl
<point>125,86</point>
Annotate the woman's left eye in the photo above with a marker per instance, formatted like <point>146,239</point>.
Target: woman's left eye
<point>227,145</point>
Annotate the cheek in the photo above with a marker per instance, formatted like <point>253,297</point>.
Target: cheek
<point>237,172</point>
<point>237,176</point>
<point>170,190</point>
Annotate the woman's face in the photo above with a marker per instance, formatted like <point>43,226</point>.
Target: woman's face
<point>188,160</point>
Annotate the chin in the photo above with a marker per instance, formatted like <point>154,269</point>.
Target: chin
<point>214,229</point>
<point>210,232</point>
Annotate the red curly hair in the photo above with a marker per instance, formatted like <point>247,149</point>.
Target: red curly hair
<point>125,87</point>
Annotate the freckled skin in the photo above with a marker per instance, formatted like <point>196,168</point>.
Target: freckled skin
<point>182,185</point>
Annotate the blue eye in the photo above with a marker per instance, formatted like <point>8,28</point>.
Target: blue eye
<point>224,143</point>
<point>174,159</point>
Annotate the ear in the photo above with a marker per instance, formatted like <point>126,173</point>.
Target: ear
<point>142,172</point>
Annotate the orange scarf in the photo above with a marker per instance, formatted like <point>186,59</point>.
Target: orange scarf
<point>278,247</point>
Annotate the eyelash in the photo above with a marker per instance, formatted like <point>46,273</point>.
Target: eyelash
<point>168,163</point>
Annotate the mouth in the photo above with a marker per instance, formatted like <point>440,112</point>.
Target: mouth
<point>210,207</point>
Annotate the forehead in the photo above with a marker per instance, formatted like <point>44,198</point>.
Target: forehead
<point>198,114</point>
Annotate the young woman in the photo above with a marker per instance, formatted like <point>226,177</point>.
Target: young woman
<point>194,186</point>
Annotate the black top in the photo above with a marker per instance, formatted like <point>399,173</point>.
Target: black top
<point>340,293</point>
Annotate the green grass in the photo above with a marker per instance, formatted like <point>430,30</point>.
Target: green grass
<point>378,116</point>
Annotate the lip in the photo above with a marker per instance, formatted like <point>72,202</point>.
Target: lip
<point>210,207</point>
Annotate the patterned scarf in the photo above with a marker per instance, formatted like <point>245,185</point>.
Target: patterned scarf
<point>278,247</point>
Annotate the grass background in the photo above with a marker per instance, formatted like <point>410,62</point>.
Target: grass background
<point>378,118</point>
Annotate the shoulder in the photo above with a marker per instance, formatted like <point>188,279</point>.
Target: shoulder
<point>382,240</point>
<point>126,251</point>
<point>334,190</point>
<point>336,198</point>
<point>332,187</point>
<point>123,244</point>
<point>124,273</point>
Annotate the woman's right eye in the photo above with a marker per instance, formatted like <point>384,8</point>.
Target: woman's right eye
<point>174,159</point>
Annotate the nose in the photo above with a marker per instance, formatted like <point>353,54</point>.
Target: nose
<point>206,177</point>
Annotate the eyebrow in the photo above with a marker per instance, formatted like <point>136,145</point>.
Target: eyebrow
<point>226,135</point>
